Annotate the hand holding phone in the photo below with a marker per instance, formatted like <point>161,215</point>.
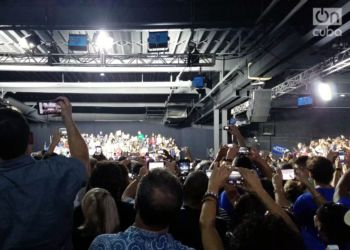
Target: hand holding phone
<point>234,177</point>
<point>341,155</point>
<point>48,108</point>
<point>288,174</point>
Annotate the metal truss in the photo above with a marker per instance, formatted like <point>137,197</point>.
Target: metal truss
<point>139,60</point>
<point>327,67</point>
<point>240,108</point>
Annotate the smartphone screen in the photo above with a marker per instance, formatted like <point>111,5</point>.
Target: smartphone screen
<point>234,177</point>
<point>48,108</point>
<point>157,164</point>
<point>184,166</point>
<point>244,150</point>
<point>288,174</point>
<point>341,155</point>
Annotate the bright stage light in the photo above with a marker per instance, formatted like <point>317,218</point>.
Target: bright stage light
<point>103,40</point>
<point>29,41</point>
<point>325,91</point>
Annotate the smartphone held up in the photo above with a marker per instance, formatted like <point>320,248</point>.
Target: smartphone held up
<point>49,108</point>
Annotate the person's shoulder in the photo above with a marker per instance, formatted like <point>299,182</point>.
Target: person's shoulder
<point>61,166</point>
<point>345,201</point>
<point>63,162</point>
<point>301,202</point>
<point>177,245</point>
<point>63,159</point>
<point>105,241</point>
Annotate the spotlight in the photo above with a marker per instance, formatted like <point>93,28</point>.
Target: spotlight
<point>29,41</point>
<point>103,40</point>
<point>325,91</point>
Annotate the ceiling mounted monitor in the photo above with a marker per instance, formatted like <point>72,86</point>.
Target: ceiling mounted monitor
<point>304,101</point>
<point>78,42</point>
<point>158,41</point>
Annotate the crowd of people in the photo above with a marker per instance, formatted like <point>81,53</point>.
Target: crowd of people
<point>240,200</point>
<point>115,145</point>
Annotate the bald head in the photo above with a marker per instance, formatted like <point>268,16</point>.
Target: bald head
<point>158,198</point>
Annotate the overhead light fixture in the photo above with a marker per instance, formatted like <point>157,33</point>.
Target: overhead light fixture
<point>342,95</point>
<point>324,91</point>
<point>103,40</point>
<point>30,41</point>
<point>102,74</point>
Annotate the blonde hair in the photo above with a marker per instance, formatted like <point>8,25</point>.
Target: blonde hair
<point>100,212</point>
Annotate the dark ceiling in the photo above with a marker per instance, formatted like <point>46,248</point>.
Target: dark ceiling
<point>276,36</point>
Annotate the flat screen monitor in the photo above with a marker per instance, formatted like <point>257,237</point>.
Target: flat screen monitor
<point>77,42</point>
<point>304,101</point>
<point>158,40</point>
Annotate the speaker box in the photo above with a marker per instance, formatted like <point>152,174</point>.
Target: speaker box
<point>176,113</point>
<point>259,105</point>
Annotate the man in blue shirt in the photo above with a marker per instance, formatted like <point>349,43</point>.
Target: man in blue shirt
<point>36,197</point>
<point>158,202</point>
<point>321,171</point>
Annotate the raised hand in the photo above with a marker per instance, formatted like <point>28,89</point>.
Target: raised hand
<point>251,179</point>
<point>56,137</point>
<point>277,180</point>
<point>218,177</point>
<point>66,107</point>
<point>232,152</point>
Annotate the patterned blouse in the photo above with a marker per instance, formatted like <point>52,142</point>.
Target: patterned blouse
<point>137,239</point>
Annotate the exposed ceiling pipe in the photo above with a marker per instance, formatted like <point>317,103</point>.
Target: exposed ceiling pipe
<point>290,14</point>
<point>268,9</point>
<point>29,112</point>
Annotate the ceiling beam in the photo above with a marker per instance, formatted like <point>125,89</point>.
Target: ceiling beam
<point>208,41</point>
<point>220,41</point>
<point>120,104</point>
<point>183,87</point>
<point>127,69</point>
<point>174,38</point>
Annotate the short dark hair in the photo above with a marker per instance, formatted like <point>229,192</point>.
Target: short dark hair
<point>301,161</point>
<point>265,232</point>
<point>108,175</point>
<point>14,134</point>
<point>321,169</point>
<point>331,216</point>
<point>194,187</point>
<point>158,198</point>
